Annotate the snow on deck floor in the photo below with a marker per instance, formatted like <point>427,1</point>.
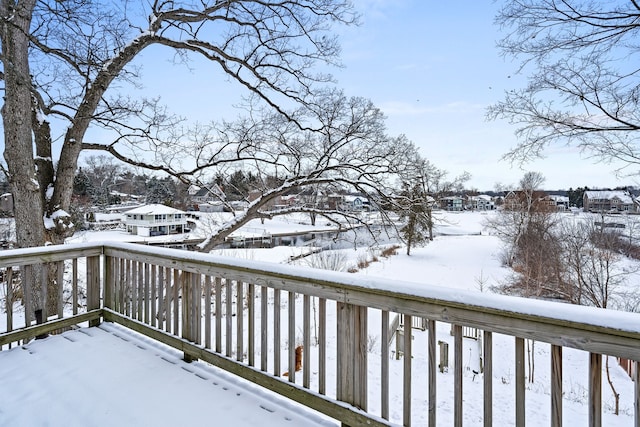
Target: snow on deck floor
<point>109,376</point>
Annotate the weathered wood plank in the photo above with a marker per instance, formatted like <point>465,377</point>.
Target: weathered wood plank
<point>276,333</point>
<point>207,312</point>
<point>556,386</point>
<point>153,284</point>
<point>487,378</point>
<point>595,390</point>
<point>322,344</point>
<point>344,339</point>
<point>264,328</point>
<point>432,376</point>
<point>306,341</point>
<point>145,272</point>
<point>384,365</point>
<point>520,382</point>
<point>60,282</point>
<point>291,342</point>
<point>163,297</point>
<point>93,286</point>
<point>176,301</point>
<point>74,285</point>
<point>636,400</point>
<point>239,321</point>
<point>45,254</point>
<point>9,299</point>
<point>406,371</point>
<point>28,304</point>
<point>361,360</point>
<point>142,298</point>
<point>132,280</point>
<point>27,333</point>
<point>229,317</point>
<point>218,307</point>
<point>457,368</point>
<point>251,332</point>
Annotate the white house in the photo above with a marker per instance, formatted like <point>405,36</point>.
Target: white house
<point>355,203</point>
<point>155,220</point>
<point>482,202</point>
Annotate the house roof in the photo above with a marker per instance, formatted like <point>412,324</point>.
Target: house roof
<point>623,196</point>
<point>557,198</point>
<point>154,209</point>
<point>484,197</point>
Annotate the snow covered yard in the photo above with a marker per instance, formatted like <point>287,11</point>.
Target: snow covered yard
<point>463,257</point>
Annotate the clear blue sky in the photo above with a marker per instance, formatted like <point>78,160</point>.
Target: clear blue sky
<point>432,67</point>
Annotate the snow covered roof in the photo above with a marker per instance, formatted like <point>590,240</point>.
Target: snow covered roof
<point>623,196</point>
<point>558,198</point>
<point>351,198</point>
<point>484,197</point>
<point>154,209</point>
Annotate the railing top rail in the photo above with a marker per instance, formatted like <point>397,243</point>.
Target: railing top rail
<point>26,256</point>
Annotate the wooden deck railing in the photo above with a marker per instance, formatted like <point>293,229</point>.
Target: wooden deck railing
<point>248,317</point>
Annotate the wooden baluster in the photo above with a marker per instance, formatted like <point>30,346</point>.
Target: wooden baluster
<point>431,328</point>
<point>556,386</point>
<point>595,390</point>
<point>264,327</point>
<point>251,349</point>
<point>487,371</point>
<point>520,382</point>
<point>384,366</point>
<point>457,367</point>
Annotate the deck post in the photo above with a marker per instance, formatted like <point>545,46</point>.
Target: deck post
<point>352,355</point>
<point>109,282</point>
<point>93,286</point>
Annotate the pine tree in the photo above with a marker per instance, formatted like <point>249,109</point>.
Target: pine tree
<point>415,207</point>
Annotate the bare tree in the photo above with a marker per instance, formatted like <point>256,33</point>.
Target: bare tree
<point>595,272</point>
<point>526,226</point>
<point>348,148</point>
<point>65,61</point>
<point>581,60</point>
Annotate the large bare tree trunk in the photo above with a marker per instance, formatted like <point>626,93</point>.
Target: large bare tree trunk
<point>19,156</point>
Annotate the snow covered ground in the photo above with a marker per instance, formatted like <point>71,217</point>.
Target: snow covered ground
<point>110,376</point>
<point>463,256</point>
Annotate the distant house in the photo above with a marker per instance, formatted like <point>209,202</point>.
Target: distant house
<point>535,201</point>
<point>452,203</point>
<point>354,203</point>
<point>607,201</point>
<point>201,195</point>
<point>482,202</point>
<point>155,220</point>
<point>557,202</point>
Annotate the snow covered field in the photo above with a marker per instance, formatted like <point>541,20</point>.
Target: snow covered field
<point>463,256</point>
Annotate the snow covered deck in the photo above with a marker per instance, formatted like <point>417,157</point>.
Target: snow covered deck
<point>109,375</point>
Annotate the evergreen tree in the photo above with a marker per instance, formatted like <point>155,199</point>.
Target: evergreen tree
<point>415,208</point>
<point>576,196</point>
<point>159,191</point>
